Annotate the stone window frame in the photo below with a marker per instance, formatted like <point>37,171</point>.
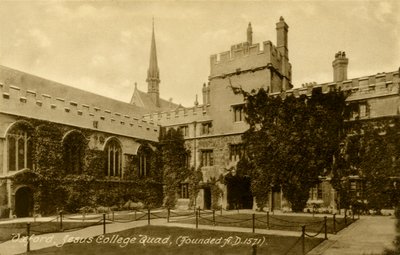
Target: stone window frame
<point>236,151</point>
<point>184,190</point>
<point>73,155</point>
<point>114,158</point>
<point>25,148</point>
<point>207,157</point>
<point>206,128</point>
<point>238,112</point>
<point>184,129</point>
<point>144,161</point>
<point>316,192</point>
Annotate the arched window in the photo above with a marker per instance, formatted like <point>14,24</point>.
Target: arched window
<point>144,157</point>
<point>19,141</point>
<point>114,155</point>
<point>74,146</point>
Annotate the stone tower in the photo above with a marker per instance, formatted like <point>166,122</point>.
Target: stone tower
<point>153,73</point>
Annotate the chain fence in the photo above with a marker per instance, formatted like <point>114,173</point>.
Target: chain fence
<point>69,223</point>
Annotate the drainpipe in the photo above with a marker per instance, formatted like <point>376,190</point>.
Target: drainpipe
<point>194,154</point>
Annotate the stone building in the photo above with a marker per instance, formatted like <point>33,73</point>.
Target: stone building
<point>212,129</point>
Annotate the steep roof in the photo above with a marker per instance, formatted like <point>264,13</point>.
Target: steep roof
<point>40,85</point>
<point>144,100</point>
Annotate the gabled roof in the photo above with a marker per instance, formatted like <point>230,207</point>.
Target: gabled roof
<point>144,100</point>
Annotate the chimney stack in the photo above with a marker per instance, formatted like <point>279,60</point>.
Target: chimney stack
<point>340,67</point>
<point>206,94</point>
<point>250,34</point>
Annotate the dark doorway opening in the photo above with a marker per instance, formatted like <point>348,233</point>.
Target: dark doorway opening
<point>276,198</point>
<point>23,202</point>
<point>239,193</point>
<point>207,198</point>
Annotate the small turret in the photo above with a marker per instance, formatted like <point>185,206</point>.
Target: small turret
<point>340,66</point>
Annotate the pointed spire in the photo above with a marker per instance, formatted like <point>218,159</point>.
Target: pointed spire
<point>153,73</point>
<point>250,34</point>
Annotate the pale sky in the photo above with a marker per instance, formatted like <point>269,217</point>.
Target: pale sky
<point>103,46</point>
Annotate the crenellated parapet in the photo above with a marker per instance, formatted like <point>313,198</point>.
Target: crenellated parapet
<point>381,84</point>
<point>247,57</point>
<point>179,116</point>
<point>20,102</point>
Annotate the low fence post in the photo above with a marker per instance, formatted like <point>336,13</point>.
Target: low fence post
<point>334,223</point>
<point>303,239</point>
<point>267,220</point>
<point>326,228</point>
<point>254,246</point>
<point>135,214</point>
<point>345,218</point>
<point>104,223</point>
<point>352,213</point>
<point>197,219</point>
<point>213,217</point>
<point>168,214</point>
<point>148,216</point>
<point>113,215</point>
<point>254,223</point>
<point>28,233</point>
<point>61,220</point>
<point>221,210</point>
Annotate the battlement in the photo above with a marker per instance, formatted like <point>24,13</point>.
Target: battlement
<point>243,55</point>
<point>381,84</point>
<point>18,101</point>
<point>180,116</point>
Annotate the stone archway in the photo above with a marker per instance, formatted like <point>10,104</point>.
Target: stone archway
<point>23,202</point>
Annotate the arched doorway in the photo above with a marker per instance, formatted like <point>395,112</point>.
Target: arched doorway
<point>23,202</point>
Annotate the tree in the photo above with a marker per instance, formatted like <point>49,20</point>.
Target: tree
<point>371,152</point>
<point>174,166</point>
<point>291,141</point>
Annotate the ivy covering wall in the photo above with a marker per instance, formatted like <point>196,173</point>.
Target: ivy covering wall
<point>57,187</point>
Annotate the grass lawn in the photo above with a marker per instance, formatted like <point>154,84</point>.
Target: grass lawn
<point>7,231</point>
<point>173,240</point>
<point>277,222</point>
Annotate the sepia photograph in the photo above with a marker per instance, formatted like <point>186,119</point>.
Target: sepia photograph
<point>200,127</point>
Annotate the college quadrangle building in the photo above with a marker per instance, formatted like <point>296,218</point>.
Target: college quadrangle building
<point>127,132</point>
